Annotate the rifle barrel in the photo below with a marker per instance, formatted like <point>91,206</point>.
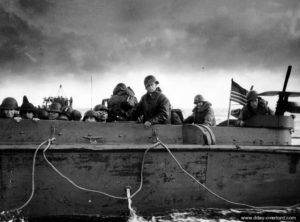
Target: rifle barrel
<point>286,78</point>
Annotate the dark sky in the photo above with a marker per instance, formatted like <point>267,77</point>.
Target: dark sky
<point>42,38</point>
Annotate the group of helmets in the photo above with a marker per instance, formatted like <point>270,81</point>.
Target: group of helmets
<point>10,103</point>
<point>99,113</point>
<point>64,113</point>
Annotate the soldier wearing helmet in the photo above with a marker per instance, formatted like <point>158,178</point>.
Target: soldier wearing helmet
<point>9,108</point>
<point>255,106</point>
<point>28,110</point>
<point>202,112</point>
<point>121,103</point>
<point>102,113</point>
<point>54,111</point>
<point>90,116</point>
<point>154,107</point>
<point>67,113</point>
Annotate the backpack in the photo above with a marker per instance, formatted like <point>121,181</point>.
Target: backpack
<point>176,117</point>
<point>121,103</point>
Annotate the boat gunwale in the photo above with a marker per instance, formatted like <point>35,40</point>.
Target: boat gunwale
<point>143,147</point>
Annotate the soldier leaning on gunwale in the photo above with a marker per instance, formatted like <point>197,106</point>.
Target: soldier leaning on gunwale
<point>9,109</point>
<point>202,113</point>
<point>154,107</point>
<point>28,110</point>
<point>255,106</point>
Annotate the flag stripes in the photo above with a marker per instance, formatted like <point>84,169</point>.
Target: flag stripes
<point>238,94</point>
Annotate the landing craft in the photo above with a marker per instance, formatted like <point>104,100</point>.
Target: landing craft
<point>69,168</point>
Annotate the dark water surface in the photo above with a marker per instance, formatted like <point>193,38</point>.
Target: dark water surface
<point>190,215</point>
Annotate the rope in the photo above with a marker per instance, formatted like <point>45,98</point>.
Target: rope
<point>159,142</point>
<point>96,191</point>
<point>132,211</point>
<point>32,176</point>
<point>142,168</point>
<point>215,194</point>
<point>141,181</point>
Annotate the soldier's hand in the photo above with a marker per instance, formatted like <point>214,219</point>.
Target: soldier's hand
<point>17,119</point>
<point>140,119</point>
<point>35,119</point>
<point>147,124</point>
<point>240,123</point>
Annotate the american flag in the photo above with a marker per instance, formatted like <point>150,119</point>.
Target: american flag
<point>238,94</point>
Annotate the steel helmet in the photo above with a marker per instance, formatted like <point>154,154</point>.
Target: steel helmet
<point>119,87</point>
<point>9,103</point>
<point>150,79</point>
<point>76,115</point>
<point>67,110</point>
<point>252,95</point>
<point>90,113</point>
<point>100,107</point>
<point>55,107</point>
<point>198,98</point>
<point>42,114</point>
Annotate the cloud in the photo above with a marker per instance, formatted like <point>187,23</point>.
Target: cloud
<point>35,7</point>
<point>57,37</point>
<point>27,48</point>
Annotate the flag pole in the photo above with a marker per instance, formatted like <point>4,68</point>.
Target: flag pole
<point>91,92</point>
<point>229,108</point>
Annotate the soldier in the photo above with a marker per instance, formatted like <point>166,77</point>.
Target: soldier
<point>28,110</point>
<point>42,113</point>
<point>154,107</point>
<point>202,113</point>
<point>66,113</point>
<point>255,106</point>
<point>9,109</point>
<point>54,111</point>
<point>121,103</point>
<point>90,116</point>
<point>102,112</point>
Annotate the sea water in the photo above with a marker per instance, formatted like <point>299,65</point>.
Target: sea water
<point>190,215</point>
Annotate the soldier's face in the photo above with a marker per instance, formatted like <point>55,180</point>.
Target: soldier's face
<point>254,103</point>
<point>90,119</point>
<point>199,104</point>
<point>53,116</point>
<point>9,113</point>
<point>103,115</point>
<point>151,87</point>
<point>29,115</point>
